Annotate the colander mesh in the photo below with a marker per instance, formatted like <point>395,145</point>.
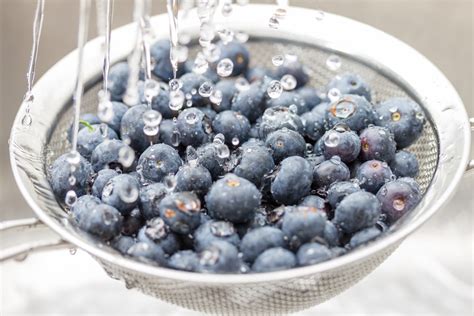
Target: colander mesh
<point>275,297</point>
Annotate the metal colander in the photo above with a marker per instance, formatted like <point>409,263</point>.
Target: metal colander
<point>391,68</point>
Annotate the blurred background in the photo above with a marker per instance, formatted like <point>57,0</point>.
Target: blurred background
<point>431,273</point>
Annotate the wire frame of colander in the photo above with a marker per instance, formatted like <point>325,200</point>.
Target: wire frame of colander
<point>392,59</point>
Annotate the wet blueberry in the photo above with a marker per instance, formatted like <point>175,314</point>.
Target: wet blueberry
<point>341,142</point>
<point>160,103</point>
<point>285,143</point>
<point>255,162</point>
<point>89,138</point>
<point>330,171</point>
<point>90,118</point>
<point>403,117</point>
<point>108,155</point>
<point>186,260</point>
<point>274,259</point>
<point>169,133</point>
<point>148,253</point>
<point>279,117</point>
<point>250,102</point>
<point>191,82</point>
<point>237,53</point>
<point>353,110</point>
<point>310,96</point>
<point>158,161</point>
<point>123,243</point>
<point>210,231</point>
<point>150,198</point>
<point>181,211</point>
<point>121,192</point>
<point>61,175</point>
<point>364,236</point>
<point>160,53</point>
<point>156,232</point>
<point>314,121</point>
<point>193,178</point>
<point>331,234</point>
<point>132,223</point>
<point>260,239</point>
<point>339,190</point>
<point>373,174</point>
<point>118,110</point>
<point>234,126</point>
<point>312,253</point>
<point>228,90</point>
<point>83,205</point>
<point>233,198</point>
<point>357,211</point>
<point>292,66</point>
<point>219,257</point>
<point>289,99</point>
<point>131,128</point>
<point>350,83</point>
<point>377,143</point>
<point>194,127</point>
<point>293,181</point>
<point>301,224</point>
<point>212,159</point>
<point>101,220</point>
<point>404,164</point>
<point>118,80</point>
<point>398,198</point>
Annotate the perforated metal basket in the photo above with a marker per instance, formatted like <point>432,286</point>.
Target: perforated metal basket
<point>392,69</point>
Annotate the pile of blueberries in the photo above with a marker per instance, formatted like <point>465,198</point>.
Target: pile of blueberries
<point>247,184</point>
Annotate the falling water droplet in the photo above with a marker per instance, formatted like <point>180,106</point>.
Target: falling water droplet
<point>241,84</point>
<point>216,97</point>
<point>175,138</point>
<point>333,62</point>
<point>152,118</point>
<point>151,90</point>
<point>273,22</point>
<point>205,90</point>
<point>319,15</point>
<point>227,8</point>
<point>226,35</point>
<point>219,139</point>
<point>280,13</point>
<point>288,82</point>
<point>235,141</point>
<point>200,64</point>
<point>170,182</point>
<point>241,36</point>
<point>71,198</point>
<point>126,156</point>
<point>278,60</point>
<point>334,94</point>
<point>175,84</point>
<point>274,89</point>
<point>225,67</point>
<point>176,100</point>
<point>105,111</point>
<point>26,120</point>
<point>212,53</point>
<point>71,180</point>
<point>72,251</point>
<point>191,156</point>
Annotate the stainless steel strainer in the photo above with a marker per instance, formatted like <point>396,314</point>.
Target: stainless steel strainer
<point>391,67</point>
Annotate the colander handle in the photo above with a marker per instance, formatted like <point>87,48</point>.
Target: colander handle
<point>39,237</point>
<point>470,165</point>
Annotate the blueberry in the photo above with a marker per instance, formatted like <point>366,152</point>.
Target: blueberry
<point>258,74</point>
<point>121,192</point>
<point>285,143</point>
<point>258,220</point>
<point>148,253</point>
<point>342,142</point>
<point>353,110</point>
<point>310,96</point>
<point>237,53</point>
<point>292,66</point>
<point>181,211</point>
<point>315,160</point>
<point>131,128</point>
<point>118,80</point>
<point>350,83</point>
<point>330,171</point>
<point>158,161</point>
<point>190,87</point>
<point>293,181</point>
<point>90,118</point>
<point>101,220</point>
<point>119,110</point>
<point>331,234</point>
<point>160,53</point>
<point>61,174</point>
<point>277,118</point>
<point>219,257</point>
<point>211,231</point>
<point>373,174</point>
<point>398,198</point>
<point>233,198</point>
<point>255,162</point>
<point>132,223</point>
<point>357,211</point>
<point>186,260</point>
<point>193,178</point>
<point>338,251</point>
<point>150,198</point>
<point>234,126</point>
<point>107,155</point>
<point>312,253</point>
<point>364,236</point>
<point>228,90</point>
<point>403,117</point>
<point>260,239</point>
<point>123,243</point>
<point>209,73</point>
<point>209,157</point>
<point>160,103</point>
<point>313,122</point>
<point>404,164</point>
<point>168,132</point>
<point>194,127</point>
<point>274,259</point>
<point>156,232</point>
<point>250,102</point>
<point>89,138</point>
<point>377,143</point>
<point>209,112</point>
<point>288,99</point>
<point>314,201</point>
<point>302,224</point>
<point>339,190</point>
<point>83,205</point>
<point>412,183</point>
